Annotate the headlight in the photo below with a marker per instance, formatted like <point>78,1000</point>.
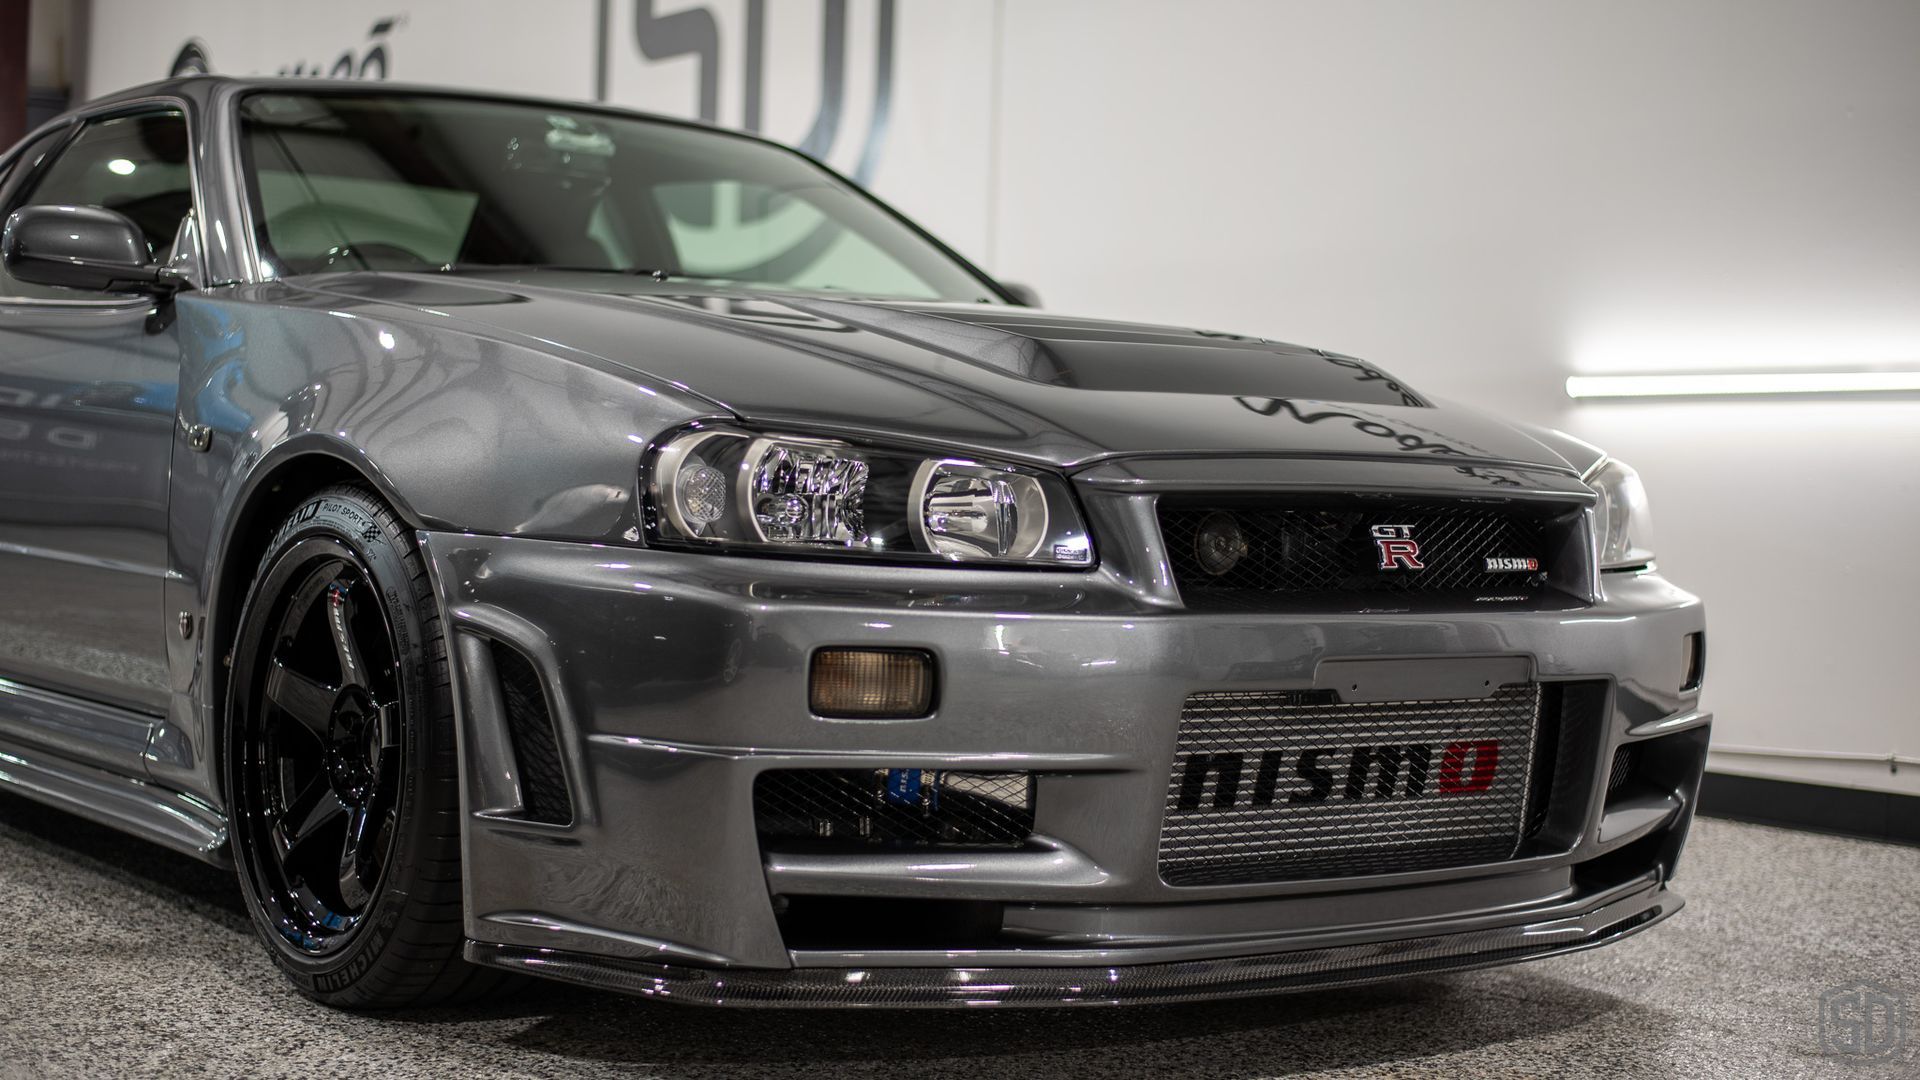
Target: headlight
<point>1626,534</point>
<point>733,489</point>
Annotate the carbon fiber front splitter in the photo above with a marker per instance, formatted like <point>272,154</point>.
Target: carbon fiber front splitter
<point>1125,984</point>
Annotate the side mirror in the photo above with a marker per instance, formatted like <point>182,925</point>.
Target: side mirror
<point>82,247</point>
<point>1024,295</point>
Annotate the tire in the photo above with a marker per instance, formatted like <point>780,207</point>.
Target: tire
<point>339,763</point>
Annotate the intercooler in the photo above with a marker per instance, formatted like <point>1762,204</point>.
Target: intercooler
<point>1283,786</point>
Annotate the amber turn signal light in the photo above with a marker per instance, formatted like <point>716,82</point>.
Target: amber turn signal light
<point>871,684</point>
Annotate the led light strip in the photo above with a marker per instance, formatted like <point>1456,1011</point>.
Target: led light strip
<point>1739,384</point>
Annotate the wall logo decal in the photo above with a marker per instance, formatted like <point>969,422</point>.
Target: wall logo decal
<point>369,62</point>
<point>696,32</point>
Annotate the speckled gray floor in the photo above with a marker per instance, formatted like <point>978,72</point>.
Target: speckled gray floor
<point>119,959</point>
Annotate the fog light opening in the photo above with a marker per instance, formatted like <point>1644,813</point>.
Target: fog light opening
<point>871,684</point>
<point>1219,544</point>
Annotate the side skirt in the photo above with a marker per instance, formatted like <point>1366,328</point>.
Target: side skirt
<point>138,807</point>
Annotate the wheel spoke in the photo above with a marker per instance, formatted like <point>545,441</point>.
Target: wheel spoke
<point>340,609</point>
<point>301,698</point>
<point>306,816</point>
<point>358,869</point>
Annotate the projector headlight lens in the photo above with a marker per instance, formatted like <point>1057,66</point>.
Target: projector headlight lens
<point>969,511</point>
<point>1622,520</point>
<point>724,488</point>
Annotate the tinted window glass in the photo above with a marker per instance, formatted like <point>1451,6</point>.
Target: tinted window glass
<point>24,163</point>
<point>136,165</point>
<point>425,183</point>
<point>756,232</point>
<point>18,171</point>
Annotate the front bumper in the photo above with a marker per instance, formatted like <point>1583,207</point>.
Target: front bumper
<point>676,679</point>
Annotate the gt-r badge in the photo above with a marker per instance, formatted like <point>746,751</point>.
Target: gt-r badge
<point>1398,549</point>
<point>1508,565</point>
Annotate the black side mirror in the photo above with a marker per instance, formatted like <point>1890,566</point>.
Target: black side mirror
<point>1024,295</point>
<point>82,247</point>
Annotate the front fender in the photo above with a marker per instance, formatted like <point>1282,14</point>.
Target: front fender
<point>456,430</point>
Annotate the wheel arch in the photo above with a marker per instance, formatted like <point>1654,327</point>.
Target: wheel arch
<point>285,478</point>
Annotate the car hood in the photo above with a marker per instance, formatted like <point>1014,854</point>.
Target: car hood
<point>990,379</point>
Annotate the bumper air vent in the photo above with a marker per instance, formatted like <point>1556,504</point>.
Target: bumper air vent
<point>863,809</point>
<point>543,784</point>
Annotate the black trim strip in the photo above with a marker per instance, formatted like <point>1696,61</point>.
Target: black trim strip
<point>1872,815</point>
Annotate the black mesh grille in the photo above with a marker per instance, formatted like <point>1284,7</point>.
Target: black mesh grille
<point>860,808</point>
<point>543,786</point>
<point>1621,770</point>
<point>1236,557</point>
<point>1573,733</point>
<point>1279,786</point>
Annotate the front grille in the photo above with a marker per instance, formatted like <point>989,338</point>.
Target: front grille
<point>1283,786</point>
<point>865,808</point>
<point>1227,557</point>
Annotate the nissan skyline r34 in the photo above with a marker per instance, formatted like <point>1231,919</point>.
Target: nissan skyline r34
<point>543,539</point>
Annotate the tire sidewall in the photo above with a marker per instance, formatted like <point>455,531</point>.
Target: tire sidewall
<point>353,522</point>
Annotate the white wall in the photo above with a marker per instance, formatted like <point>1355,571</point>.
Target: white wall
<point>1487,196</point>
<point>1483,195</point>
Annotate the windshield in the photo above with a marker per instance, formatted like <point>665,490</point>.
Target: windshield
<point>389,182</point>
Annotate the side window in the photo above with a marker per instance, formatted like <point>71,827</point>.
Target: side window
<point>16,173</point>
<point>136,165</point>
<point>25,162</point>
<point>28,159</point>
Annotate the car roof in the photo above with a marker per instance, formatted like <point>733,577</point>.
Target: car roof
<point>206,89</point>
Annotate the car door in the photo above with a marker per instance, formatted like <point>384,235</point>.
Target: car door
<point>87,404</point>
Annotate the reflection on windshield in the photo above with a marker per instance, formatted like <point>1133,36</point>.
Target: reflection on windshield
<point>374,181</point>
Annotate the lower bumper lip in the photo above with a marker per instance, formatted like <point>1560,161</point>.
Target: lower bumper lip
<point>1607,917</point>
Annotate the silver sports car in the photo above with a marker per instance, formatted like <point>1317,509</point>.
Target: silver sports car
<point>522,537</point>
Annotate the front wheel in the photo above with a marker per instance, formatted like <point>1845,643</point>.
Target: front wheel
<point>340,767</point>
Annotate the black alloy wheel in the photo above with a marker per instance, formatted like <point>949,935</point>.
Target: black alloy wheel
<point>339,762</point>
<point>321,762</point>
